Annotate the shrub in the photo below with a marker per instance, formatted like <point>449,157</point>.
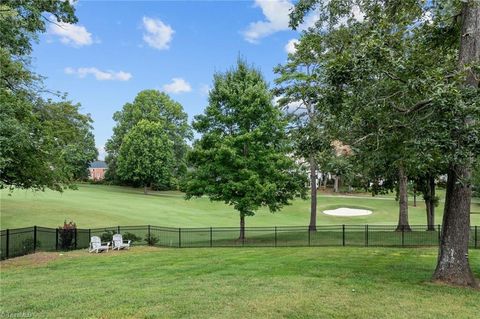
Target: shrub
<point>132,237</point>
<point>151,240</point>
<point>28,245</point>
<point>107,235</point>
<point>66,235</point>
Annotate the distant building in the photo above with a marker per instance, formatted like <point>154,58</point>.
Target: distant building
<point>97,170</point>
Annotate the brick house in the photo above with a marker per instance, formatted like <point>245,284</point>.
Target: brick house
<point>97,170</point>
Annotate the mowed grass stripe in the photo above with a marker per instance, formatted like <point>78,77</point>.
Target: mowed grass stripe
<point>149,282</point>
<point>101,206</point>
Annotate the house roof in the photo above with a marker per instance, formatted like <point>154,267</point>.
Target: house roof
<point>98,164</point>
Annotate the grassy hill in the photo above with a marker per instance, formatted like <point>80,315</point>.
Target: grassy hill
<point>99,205</point>
<point>148,282</point>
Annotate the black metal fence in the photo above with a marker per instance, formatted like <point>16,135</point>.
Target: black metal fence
<point>22,241</point>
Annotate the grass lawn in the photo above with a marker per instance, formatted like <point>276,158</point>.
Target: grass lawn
<point>100,206</point>
<point>148,282</point>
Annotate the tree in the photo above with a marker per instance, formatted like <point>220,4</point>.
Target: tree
<point>43,144</point>
<point>22,20</point>
<point>146,155</point>
<point>243,157</point>
<point>398,72</point>
<point>154,106</point>
<point>300,95</point>
<point>452,265</point>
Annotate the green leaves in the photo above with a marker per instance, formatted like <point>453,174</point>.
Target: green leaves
<point>393,79</point>
<point>242,157</point>
<point>43,143</point>
<point>21,20</point>
<point>146,155</point>
<point>154,106</point>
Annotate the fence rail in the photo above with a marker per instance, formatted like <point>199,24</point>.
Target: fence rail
<point>22,241</point>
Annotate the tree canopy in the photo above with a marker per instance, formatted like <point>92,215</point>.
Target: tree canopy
<point>406,76</point>
<point>243,157</point>
<point>146,155</point>
<point>153,106</point>
<point>43,143</point>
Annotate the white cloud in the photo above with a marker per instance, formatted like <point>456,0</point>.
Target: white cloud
<point>276,19</point>
<point>108,75</point>
<point>290,46</point>
<point>356,14</point>
<point>205,89</point>
<point>295,107</point>
<point>157,34</point>
<point>178,85</point>
<point>101,152</point>
<point>71,34</point>
<point>427,17</point>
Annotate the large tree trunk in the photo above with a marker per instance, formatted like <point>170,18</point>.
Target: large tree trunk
<point>145,190</point>
<point>430,203</point>
<point>242,227</point>
<point>313,194</point>
<point>452,265</point>
<point>403,201</point>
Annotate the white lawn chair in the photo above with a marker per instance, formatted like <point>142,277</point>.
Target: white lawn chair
<point>119,243</point>
<point>96,245</point>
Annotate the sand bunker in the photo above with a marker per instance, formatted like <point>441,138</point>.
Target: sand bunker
<point>343,211</point>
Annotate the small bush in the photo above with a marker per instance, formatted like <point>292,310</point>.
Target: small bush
<point>66,235</point>
<point>28,245</point>
<point>132,237</point>
<point>107,236</point>
<point>151,240</point>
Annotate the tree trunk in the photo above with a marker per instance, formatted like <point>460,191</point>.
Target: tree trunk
<point>242,227</point>
<point>403,201</point>
<point>313,194</point>
<point>145,191</point>
<point>336,183</point>
<point>430,203</point>
<point>452,264</point>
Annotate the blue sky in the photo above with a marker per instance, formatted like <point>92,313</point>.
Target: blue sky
<point>120,48</point>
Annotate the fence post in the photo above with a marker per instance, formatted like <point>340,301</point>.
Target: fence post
<point>56,238</point>
<point>148,232</point>
<point>211,237</point>
<point>118,229</point>
<point>403,236</point>
<point>343,235</point>
<point>34,238</point>
<point>76,238</point>
<point>366,235</point>
<point>8,243</point>
<point>179,238</point>
<point>476,236</point>
<point>439,234</point>
<point>309,240</point>
<point>275,236</point>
